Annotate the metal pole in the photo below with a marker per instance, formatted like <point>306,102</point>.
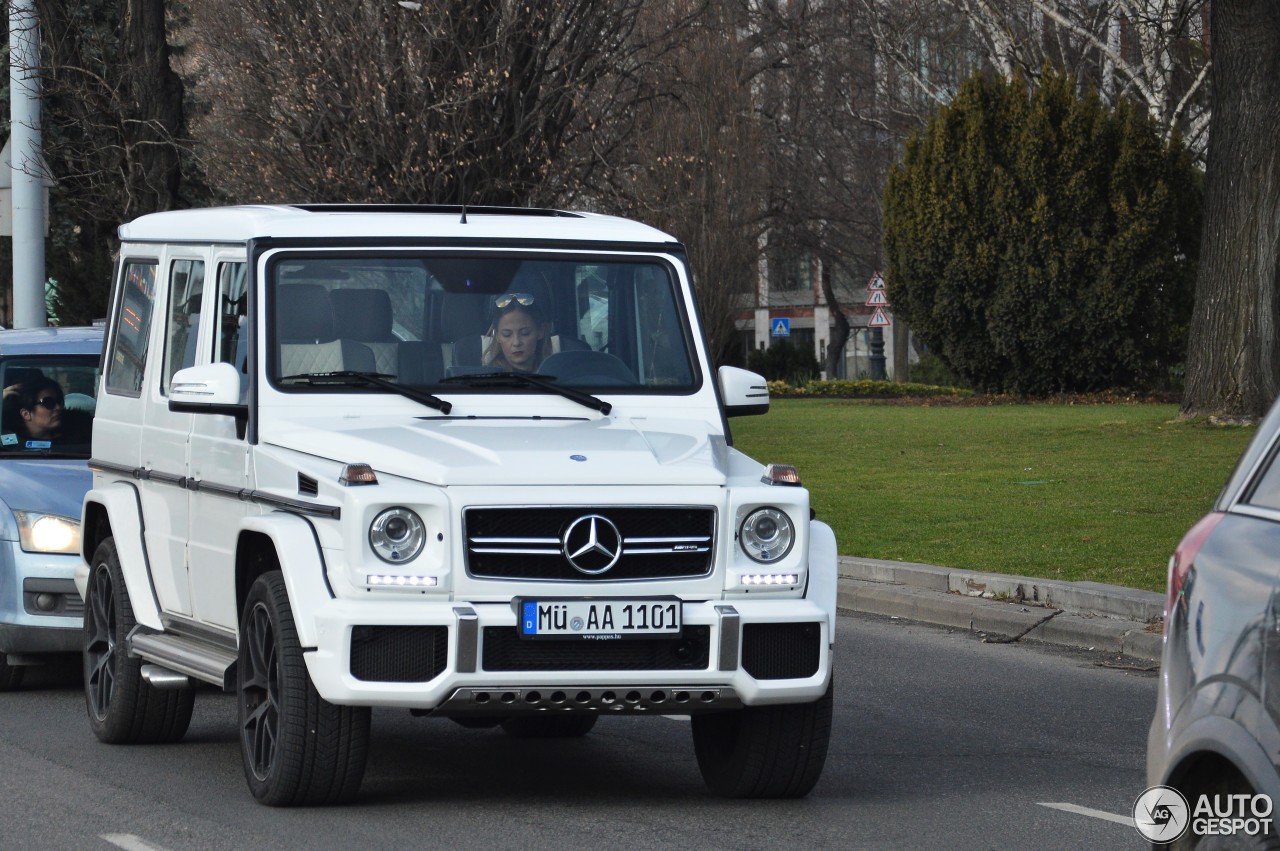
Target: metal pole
<point>28,177</point>
<point>877,355</point>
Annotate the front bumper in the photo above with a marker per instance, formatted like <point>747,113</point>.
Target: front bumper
<point>733,654</point>
<point>40,609</point>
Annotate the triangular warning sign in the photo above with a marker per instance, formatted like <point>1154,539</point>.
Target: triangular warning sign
<point>878,319</point>
<point>877,297</point>
<point>877,282</point>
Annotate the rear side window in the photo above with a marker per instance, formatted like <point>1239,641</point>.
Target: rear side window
<point>127,360</point>
<point>1265,492</point>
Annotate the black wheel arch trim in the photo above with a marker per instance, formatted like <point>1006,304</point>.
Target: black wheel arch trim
<point>142,537</point>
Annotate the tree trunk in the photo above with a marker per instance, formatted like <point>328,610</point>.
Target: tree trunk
<point>840,335</point>
<point>1233,358</point>
<point>154,170</point>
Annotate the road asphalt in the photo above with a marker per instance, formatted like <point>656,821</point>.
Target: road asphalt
<point>1080,615</point>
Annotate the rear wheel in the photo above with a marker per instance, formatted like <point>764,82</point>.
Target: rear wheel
<point>123,707</point>
<point>298,748</point>
<point>1227,782</point>
<point>764,751</point>
<point>567,726</point>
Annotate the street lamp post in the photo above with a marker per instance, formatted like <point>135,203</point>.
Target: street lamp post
<point>27,173</point>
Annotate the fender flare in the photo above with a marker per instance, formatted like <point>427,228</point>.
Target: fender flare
<point>824,574</point>
<point>120,501</point>
<point>302,562</point>
<point>1224,737</point>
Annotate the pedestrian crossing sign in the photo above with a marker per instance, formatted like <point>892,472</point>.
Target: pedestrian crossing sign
<point>780,327</point>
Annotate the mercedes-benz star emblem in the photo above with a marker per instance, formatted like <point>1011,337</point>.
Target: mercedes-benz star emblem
<point>592,544</point>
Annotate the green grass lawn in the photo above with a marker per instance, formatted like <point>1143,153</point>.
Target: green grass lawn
<point>1076,492</point>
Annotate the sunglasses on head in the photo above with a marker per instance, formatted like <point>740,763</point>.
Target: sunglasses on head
<point>504,301</point>
<point>49,402</point>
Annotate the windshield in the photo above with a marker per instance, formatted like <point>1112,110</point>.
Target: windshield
<point>48,405</point>
<point>604,324</point>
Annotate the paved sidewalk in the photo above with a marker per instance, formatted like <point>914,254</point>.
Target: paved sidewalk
<point>1085,615</point>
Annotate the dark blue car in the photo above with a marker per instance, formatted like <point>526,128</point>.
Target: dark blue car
<point>49,378</point>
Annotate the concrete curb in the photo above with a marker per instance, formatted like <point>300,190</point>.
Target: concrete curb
<point>1084,615</point>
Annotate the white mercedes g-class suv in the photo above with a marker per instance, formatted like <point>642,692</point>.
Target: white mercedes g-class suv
<point>471,462</point>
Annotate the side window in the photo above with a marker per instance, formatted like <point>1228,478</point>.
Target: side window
<point>186,287</point>
<point>1266,493</point>
<point>593,308</point>
<point>664,359</point>
<point>128,357</point>
<point>231,332</point>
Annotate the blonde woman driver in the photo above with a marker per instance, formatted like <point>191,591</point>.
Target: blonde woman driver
<point>519,338</point>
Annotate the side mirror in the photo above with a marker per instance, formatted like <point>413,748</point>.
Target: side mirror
<point>210,389</point>
<point>744,393</point>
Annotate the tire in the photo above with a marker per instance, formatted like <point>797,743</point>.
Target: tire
<point>1226,782</point>
<point>764,751</point>
<point>298,749</point>
<point>123,707</point>
<point>10,675</point>
<point>566,726</point>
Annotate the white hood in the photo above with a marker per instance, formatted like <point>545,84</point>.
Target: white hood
<point>517,451</point>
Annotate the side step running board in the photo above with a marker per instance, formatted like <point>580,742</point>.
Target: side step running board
<point>194,657</point>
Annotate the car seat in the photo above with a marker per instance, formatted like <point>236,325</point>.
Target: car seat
<point>307,337</point>
<point>368,319</point>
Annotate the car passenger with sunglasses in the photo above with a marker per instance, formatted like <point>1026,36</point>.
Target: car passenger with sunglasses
<point>518,340</point>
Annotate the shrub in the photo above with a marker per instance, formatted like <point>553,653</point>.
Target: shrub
<point>784,361</point>
<point>1044,243</point>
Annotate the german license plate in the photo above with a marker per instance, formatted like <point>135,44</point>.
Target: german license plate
<point>600,620</point>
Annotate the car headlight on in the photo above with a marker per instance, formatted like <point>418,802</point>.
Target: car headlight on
<point>766,535</point>
<point>397,535</point>
<point>47,533</point>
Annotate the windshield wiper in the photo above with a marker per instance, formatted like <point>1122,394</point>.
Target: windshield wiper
<point>531,379</point>
<point>376,379</point>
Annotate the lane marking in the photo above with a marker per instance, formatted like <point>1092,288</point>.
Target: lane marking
<point>129,842</point>
<point>675,717</point>
<point>1091,813</point>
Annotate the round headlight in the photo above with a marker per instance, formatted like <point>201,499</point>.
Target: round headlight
<point>766,535</point>
<point>397,535</point>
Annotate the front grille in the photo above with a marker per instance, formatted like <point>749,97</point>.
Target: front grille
<point>505,650</point>
<point>529,543</point>
<point>398,654</point>
<point>781,651</point>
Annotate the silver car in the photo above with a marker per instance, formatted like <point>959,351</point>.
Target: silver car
<point>49,377</point>
<point>1214,745</point>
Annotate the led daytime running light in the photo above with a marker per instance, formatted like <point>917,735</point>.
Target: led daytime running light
<point>387,580</point>
<point>770,579</point>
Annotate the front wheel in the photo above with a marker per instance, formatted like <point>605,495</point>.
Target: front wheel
<point>123,707</point>
<point>298,749</point>
<point>764,751</point>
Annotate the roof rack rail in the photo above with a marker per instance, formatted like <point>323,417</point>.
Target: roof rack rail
<point>455,209</point>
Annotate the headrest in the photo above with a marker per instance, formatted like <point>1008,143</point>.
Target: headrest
<point>366,314</point>
<point>304,314</point>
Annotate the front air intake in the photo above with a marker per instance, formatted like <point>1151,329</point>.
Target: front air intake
<point>398,654</point>
<point>505,650</point>
<point>781,651</point>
